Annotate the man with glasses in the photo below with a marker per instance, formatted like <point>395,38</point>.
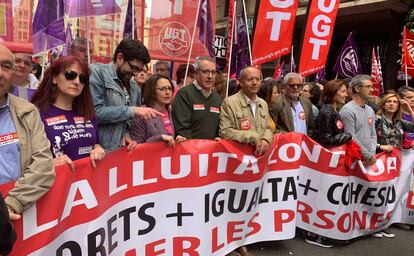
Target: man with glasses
<point>291,112</point>
<point>25,156</point>
<point>196,107</point>
<point>24,82</point>
<point>162,67</point>
<point>116,96</point>
<point>359,118</point>
<point>79,48</point>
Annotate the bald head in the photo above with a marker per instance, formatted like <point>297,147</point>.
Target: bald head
<point>250,81</point>
<point>6,70</point>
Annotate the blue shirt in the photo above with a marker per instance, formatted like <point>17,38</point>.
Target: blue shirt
<point>9,145</point>
<point>299,118</point>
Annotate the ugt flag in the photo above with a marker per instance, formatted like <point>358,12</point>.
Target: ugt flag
<point>80,8</point>
<point>407,61</point>
<point>348,64</point>
<point>48,25</point>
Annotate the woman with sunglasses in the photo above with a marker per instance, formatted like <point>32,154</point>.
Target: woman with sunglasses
<point>65,104</point>
<point>157,95</point>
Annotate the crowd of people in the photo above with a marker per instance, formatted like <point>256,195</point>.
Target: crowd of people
<point>79,111</point>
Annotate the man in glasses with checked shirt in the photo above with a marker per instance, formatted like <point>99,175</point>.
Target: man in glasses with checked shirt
<point>291,112</point>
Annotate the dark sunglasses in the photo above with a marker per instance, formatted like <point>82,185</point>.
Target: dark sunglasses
<point>72,75</point>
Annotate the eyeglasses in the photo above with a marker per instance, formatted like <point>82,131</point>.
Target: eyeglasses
<point>206,72</point>
<point>72,75</point>
<point>295,85</point>
<point>27,63</point>
<point>366,86</point>
<point>134,68</point>
<point>6,66</point>
<point>164,89</point>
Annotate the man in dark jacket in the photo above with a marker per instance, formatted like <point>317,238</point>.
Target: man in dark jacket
<point>7,233</point>
<point>290,112</point>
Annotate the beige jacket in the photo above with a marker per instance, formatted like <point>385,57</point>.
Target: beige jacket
<point>37,171</point>
<point>237,121</point>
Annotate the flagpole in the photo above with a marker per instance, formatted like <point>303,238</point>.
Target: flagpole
<point>291,58</point>
<point>247,32</point>
<point>406,74</point>
<point>192,42</point>
<point>44,59</point>
<point>133,18</point>
<point>87,40</point>
<point>231,48</point>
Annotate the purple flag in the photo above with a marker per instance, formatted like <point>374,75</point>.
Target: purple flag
<point>129,23</point>
<point>292,63</point>
<point>240,50</point>
<point>348,64</point>
<point>48,25</point>
<point>68,40</point>
<point>80,8</point>
<point>321,75</point>
<point>206,27</point>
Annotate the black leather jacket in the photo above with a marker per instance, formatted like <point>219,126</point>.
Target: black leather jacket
<point>329,130</point>
<point>7,233</point>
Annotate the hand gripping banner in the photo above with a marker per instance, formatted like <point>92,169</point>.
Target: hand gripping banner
<point>208,198</point>
<point>274,30</point>
<point>318,35</point>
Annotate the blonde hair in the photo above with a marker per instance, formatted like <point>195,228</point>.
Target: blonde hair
<point>397,115</point>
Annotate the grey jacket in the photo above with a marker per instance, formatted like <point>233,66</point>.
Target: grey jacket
<point>113,114</point>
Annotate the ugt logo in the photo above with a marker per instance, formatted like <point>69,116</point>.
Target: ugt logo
<point>174,39</point>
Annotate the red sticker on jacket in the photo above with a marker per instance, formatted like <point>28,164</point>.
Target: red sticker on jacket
<point>370,121</point>
<point>9,138</point>
<point>245,124</point>
<point>302,115</point>
<point>339,124</point>
<point>198,107</point>
<point>215,110</point>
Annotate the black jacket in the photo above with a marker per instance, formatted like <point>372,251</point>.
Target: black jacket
<point>7,233</point>
<point>329,128</point>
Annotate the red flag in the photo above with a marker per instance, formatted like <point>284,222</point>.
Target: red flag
<point>318,35</point>
<point>273,35</point>
<point>172,25</point>
<point>407,61</point>
<point>278,70</point>
<point>376,77</point>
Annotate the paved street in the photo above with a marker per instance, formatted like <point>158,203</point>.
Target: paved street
<point>401,245</point>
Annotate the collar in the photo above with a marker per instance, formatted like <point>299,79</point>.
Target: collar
<point>6,102</point>
<point>248,100</point>
<point>204,92</point>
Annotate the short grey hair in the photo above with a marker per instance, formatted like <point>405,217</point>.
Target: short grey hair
<point>358,80</point>
<point>402,91</point>
<point>244,70</point>
<point>197,63</point>
<point>290,76</point>
<point>78,41</point>
<point>163,62</point>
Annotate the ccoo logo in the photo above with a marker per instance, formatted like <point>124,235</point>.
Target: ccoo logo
<point>174,39</point>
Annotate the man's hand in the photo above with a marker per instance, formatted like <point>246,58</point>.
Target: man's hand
<point>180,139</point>
<point>97,153</point>
<point>147,113</point>
<point>169,139</point>
<point>126,141</point>
<point>13,216</point>
<point>62,160</point>
<point>261,147</point>
<point>387,148</point>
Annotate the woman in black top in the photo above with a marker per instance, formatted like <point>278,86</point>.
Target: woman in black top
<point>329,126</point>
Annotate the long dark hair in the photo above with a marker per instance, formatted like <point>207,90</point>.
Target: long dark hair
<point>47,92</point>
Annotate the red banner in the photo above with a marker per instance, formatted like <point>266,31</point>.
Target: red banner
<point>375,74</point>
<point>407,61</point>
<point>171,28</point>
<point>274,30</point>
<point>207,198</point>
<point>318,35</point>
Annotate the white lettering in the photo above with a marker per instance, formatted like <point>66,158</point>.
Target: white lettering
<point>87,197</point>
